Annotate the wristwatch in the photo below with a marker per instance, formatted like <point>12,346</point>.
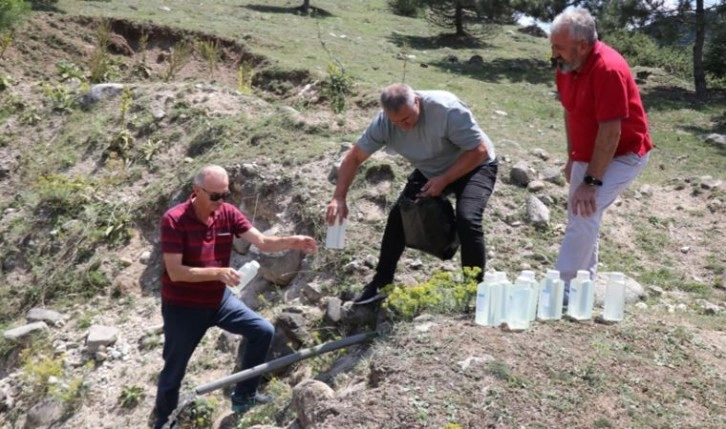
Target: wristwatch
<point>591,181</point>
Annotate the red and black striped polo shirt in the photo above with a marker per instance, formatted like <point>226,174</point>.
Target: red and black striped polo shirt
<point>201,245</point>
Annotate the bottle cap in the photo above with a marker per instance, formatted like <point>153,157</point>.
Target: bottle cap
<point>583,275</point>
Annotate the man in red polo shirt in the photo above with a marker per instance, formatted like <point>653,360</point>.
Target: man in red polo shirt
<point>196,243</point>
<point>607,133</point>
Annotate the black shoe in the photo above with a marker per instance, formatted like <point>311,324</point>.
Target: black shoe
<point>370,294</point>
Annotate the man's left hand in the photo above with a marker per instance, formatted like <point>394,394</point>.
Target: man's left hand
<point>306,244</point>
<point>583,200</point>
<point>433,188</point>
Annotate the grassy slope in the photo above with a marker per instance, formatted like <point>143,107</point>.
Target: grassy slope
<point>683,352</point>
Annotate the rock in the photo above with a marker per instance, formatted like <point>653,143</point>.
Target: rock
<point>333,312</point>
<point>293,326</point>
<point>537,213</point>
<point>44,414</point>
<point>535,186</point>
<point>709,183</point>
<point>145,257</point>
<point>540,153</point>
<point>118,44</point>
<point>100,92</point>
<point>533,30</point>
<point>474,361</point>
<point>451,59</point>
<point>656,291</point>
<point>476,60</point>
<point>520,174</point>
<point>641,305</point>
<point>308,402</point>
<point>553,175</point>
<point>22,331</point>
<point>646,190</point>
<point>708,307</point>
<point>716,139</point>
<point>99,335</point>
<point>228,342</point>
<point>158,114</point>
<point>312,291</point>
<point>44,315</point>
<point>277,267</point>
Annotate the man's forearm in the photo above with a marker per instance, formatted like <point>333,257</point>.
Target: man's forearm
<point>346,174</point>
<point>606,142</point>
<point>466,162</point>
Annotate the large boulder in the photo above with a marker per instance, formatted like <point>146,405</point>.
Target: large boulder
<point>308,401</point>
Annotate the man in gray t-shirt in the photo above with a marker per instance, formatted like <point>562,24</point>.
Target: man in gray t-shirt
<point>437,133</point>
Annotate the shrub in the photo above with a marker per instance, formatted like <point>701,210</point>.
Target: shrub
<point>441,294</point>
<point>337,85</point>
<point>642,50</point>
<point>10,12</point>
<point>714,60</point>
<point>410,8</point>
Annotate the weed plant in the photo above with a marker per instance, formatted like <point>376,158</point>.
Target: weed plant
<point>100,61</point>
<point>245,73</point>
<point>178,58</point>
<point>210,52</point>
<point>131,396</point>
<point>127,99</point>
<point>443,294</point>
<point>6,40</point>
<point>336,87</point>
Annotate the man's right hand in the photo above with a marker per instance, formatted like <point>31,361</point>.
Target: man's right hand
<point>336,208</point>
<point>228,276</point>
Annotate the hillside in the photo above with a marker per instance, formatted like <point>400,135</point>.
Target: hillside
<point>87,174</point>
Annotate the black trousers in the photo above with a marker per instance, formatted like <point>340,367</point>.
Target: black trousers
<point>472,193</point>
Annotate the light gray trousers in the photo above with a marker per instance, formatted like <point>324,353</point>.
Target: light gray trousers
<point>580,245</point>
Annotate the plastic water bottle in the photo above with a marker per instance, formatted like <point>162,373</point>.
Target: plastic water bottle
<point>528,276</point>
<point>335,239</point>
<point>582,295</point>
<point>500,301</point>
<point>246,273</point>
<point>484,301</point>
<point>614,298</point>
<point>518,297</point>
<point>551,298</point>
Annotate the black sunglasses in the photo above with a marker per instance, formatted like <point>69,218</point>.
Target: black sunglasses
<point>216,196</point>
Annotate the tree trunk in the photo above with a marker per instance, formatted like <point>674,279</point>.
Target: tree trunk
<point>699,74</point>
<point>459,20</point>
<point>305,8</point>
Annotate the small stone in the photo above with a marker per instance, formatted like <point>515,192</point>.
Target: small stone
<point>641,306</point>
<point>656,291</point>
<point>145,257</point>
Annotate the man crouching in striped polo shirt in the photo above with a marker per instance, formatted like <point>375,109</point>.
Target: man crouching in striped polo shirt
<point>196,243</point>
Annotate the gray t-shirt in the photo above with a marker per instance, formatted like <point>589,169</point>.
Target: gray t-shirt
<point>445,129</point>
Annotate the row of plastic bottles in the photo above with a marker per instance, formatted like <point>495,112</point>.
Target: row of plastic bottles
<point>518,304</point>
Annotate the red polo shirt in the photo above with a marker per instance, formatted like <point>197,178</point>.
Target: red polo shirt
<point>201,245</point>
<point>603,90</point>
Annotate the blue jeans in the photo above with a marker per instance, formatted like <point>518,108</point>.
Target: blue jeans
<point>472,193</point>
<point>184,327</point>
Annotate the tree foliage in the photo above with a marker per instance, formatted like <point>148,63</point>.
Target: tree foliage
<point>10,12</point>
<point>462,15</point>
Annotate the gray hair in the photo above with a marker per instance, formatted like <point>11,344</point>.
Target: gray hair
<point>395,96</point>
<point>579,24</point>
<point>209,170</point>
